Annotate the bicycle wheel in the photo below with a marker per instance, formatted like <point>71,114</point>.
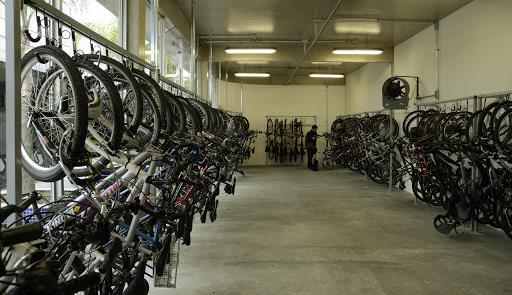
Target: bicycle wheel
<point>106,122</point>
<point>179,122</point>
<point>159,97</point>
<point>149,128</point>
<point>193,123</point>
<point>129,89</point>
<point>54,113</point>
<point>204,114</point>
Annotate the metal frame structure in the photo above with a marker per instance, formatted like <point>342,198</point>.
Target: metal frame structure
<point>13,10</point>
<point>315,40</point>
<point>477,101</point>
<point>361,114</point>
<point>305,123</point>
<point>13,104</point>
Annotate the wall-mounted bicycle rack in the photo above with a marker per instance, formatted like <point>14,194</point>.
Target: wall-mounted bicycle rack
<point>285,139</point>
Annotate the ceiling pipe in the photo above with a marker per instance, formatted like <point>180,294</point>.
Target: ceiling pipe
<point>351,41</point>
<point>248,36</point>
<point>331,15</point>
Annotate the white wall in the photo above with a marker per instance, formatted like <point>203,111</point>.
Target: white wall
<point>266,100</point>
<point>364,87</point>
<point>475,57</point>
<point>476,44</point>
<point>417,57</point>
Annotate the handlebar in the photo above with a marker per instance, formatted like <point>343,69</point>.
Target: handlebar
<point>21,234</point>
<point>10,209</point>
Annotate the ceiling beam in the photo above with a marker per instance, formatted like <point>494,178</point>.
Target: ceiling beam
<point>331,15</point>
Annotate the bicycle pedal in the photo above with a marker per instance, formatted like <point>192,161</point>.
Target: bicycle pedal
<point>203,215</point>
<point>213,213</point>
<point>443,224</point>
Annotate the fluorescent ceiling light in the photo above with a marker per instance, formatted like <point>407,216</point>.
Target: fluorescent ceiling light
<point>253,75</point>
<point>331,76</point>
<point>250,51</point>
<point>326,63</point>
<point>357,28</point>
<point>358,51</point>
<point>252,62</point>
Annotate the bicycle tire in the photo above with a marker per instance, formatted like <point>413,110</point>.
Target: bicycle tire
<point>66,63</point>
<point>129,91</point>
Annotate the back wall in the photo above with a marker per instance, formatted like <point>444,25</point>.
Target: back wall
<point>325,102</point>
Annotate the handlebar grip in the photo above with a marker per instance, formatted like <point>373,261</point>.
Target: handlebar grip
<point>34,196</point>
<point>6,211</point>
<point>117,246</point>
<point>21,234</point>
<point>80,284</point>
<point>10,209</point>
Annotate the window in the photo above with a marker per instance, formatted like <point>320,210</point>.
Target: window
<point>102,16</point>
<point>187,67</point>
<point>147,35</point>
<point>171,52</point>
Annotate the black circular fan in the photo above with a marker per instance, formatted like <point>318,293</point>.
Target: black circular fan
<point>396,88</point>
<point>395,93</point>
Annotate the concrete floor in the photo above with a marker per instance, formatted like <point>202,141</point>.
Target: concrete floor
<point>293,231</point>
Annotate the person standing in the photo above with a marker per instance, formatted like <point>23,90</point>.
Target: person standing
<point>311,144</point>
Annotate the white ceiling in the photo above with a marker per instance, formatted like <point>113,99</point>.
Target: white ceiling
<point>284,24</point>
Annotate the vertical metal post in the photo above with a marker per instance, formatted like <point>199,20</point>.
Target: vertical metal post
<point>13,103</point>
<point>326,108</point>
<point>415,197</point>
<point>57,190</point>
<point>123,21</point>
<point>180,62</point>
<point>227,100</point>
<point>154,33</point>
<point>161,44</point>
<point>241,97</point>
<point>391,126</point>
<point>477,106</point>
<point>57,187</point>
<point>210,69</point>
<point>193,75</point>
<point>438,61</point>
<point>217,99</point>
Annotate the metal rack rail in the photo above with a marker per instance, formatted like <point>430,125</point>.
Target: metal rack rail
<point>61,17</point>
<point>13,27</point>
<point>368,113</point>
<point>304,119</point>
<point>182,90</point>
<point>232,112</point>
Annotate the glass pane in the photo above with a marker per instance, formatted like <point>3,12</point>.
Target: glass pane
<point>171,53</point>
<point>102,16</point>
<point>147,40</point>
<point>187,66</point>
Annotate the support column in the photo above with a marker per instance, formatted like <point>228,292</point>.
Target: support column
<point>154,34</point>
<point>13,104</point>
<point>193,74</point>
<point>136,27</point>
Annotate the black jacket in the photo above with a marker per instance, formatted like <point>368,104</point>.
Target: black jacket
<point>311,139</point>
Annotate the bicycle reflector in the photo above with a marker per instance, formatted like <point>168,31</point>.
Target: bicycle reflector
<point>395,93</point>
